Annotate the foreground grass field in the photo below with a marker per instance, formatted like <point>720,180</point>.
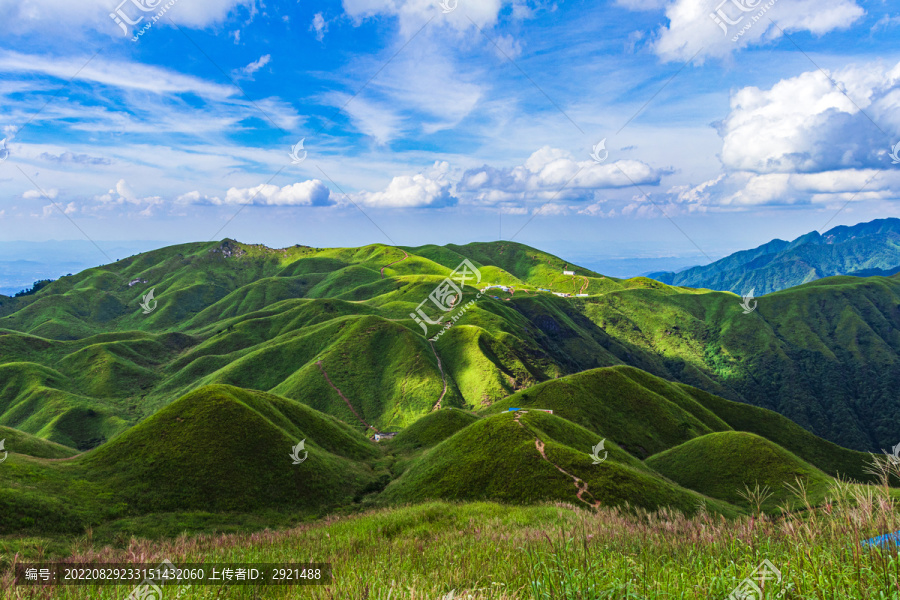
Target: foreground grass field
<point>489,551</point>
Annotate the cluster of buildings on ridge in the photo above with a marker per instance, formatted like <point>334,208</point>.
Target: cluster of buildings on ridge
<point>509,289</point>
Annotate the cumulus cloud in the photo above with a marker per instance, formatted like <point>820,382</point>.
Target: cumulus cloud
<point>803,142</point>
<point>551,173</point>
<point>305,193</point>
<point>692,31</point>
<point>34,194</point>
<point>52,209</point>
<point>123,194</point>
<point>804,124</point>
<point>744,190</point>
<point>413,191</point>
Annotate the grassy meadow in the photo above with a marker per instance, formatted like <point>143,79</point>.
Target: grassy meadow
<point>552,551</point>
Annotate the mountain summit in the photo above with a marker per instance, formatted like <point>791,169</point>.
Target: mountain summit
<point>865,249</point>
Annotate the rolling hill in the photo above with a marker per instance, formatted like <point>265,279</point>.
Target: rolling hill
<point>331,328</point>
<point>216,449</point>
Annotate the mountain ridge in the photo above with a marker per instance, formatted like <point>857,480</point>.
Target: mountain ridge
<point>865,249</point>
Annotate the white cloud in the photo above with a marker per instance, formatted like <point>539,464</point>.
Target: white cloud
<point>642,4</point>
<point>744,190</point>
<point>551,173</point>
<point>306,193</point>
<point>320,26</point>
<point>52,209</point>
<point>422,89</point>
<point>123,194</point>
<point>508,46</point>
<point>413,191</point>
<point>52,193</point>
<point>371,118</point>
<point>691,30</point>
<point>129,97</point>
<point>115,73</point>
<point>248,71</point>
<point>28,15</point>
<point>804,124</point>
<point>415,13</point>
<point>886,22</point>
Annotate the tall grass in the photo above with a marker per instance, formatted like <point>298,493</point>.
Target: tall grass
<point>488,551</point>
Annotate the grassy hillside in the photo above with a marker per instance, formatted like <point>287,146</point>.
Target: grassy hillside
<point>331,328</point>
<point>536,457</point>
<point>610,403</point>
<point>645,415</point>
<point>18,442</point>
<point>432,429</point>
<point>215,450</point>
<point>739,461</point>
<point>222,448</point>
<point>490,551</point>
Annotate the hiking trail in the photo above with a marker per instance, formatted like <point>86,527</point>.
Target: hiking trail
<point>580,484</point>
<point>341,394</point>
<point>443,377</point>
<point>405,256</point>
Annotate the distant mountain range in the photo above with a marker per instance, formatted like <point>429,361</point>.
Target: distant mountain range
<point>864,250</point>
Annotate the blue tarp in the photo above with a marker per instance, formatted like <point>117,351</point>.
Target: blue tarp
<point>885,540</point>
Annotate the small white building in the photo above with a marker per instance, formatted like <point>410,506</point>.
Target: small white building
<point>385,436</point>
<point>568,272</point>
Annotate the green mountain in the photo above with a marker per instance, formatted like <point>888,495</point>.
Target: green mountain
<point>81,362</point>
<point>145,415</point>
<point>217,449</point>
<point>865,250</point>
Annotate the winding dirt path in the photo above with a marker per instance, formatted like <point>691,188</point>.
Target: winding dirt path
<point>586,282</point>
<point>341,394</point>
<point>443,377</point>
<point>580,484</point>
<point>405,256</point>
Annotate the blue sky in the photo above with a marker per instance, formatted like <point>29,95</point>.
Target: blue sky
<point>474,120</point>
